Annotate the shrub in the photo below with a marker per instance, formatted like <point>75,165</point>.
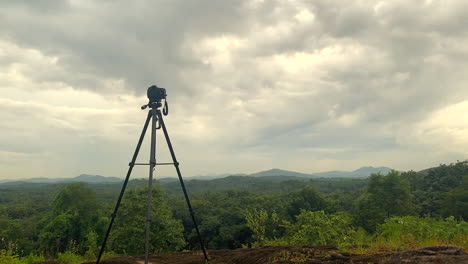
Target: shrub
<point>8,257</point>
<point>32,259</point>
<point>70,257</point>
<point>319,228</point>
<point>263,225</point>
<point>412,231</point>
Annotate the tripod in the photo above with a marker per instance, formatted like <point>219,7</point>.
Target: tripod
<point>155,116</point>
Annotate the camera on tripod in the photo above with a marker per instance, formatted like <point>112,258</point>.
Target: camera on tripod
<point>156,95</point>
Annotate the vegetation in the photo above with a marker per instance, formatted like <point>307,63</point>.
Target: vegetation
<point>396,210</point>
<point>129,230</point>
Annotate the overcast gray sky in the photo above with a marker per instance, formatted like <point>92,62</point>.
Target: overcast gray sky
<point>299,85</point>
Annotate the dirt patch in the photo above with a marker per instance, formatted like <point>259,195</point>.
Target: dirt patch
<point>49,262</point>
<point>434,254</point>
<point>303,255</point>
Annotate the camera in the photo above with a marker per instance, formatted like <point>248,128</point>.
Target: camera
<point>156,94</point>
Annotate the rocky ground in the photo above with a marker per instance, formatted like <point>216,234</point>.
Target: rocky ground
<point>304,255</point>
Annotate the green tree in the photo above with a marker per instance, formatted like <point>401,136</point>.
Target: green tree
<point>305,199</point>
<point>73,216</point>
<point>221,218</point>
<point>368,214</point>
<point>456,201</point>
<point>319,228</point>
<point>263,225</point>
<point>435,185</point>
<point>128,234</point>
<point>384,197</point>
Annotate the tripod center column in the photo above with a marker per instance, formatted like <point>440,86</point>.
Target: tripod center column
<point>152,162</point>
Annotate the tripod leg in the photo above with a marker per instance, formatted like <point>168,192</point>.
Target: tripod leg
<point>176,165</point>
<point>150,183</point>
<point>122,191</point>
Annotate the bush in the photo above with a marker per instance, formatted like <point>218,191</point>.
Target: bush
<point>319,228</point>
<point>412,231</point>
<point>32,259</point>
<point>70,257</point>
<point>263,225</point>
<point>8,257</point>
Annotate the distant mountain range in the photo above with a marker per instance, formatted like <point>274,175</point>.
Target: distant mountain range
<point>359,173</point>
<point>82,178</point>
<point>363,172</point>
<point>214,176</point>
<point>278,172</point>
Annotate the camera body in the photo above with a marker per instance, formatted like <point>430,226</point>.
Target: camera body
<point>156,94</point>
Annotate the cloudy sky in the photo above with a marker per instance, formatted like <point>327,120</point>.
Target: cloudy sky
<point>252,85</point>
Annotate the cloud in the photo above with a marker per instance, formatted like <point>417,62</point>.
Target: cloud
<point>303,85</point>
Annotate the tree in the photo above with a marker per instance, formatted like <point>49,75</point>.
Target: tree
<point>73,216</point>
<point>305,199</point>
<point>456,202</point>
<point>368,214</point>
<point>385,196</point>
<point>128,234</point>
<point>221,218</point>
<point>263,225</point>
<point>435,185</point>
<point>319,228</point>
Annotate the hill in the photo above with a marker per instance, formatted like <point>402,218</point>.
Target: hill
<point>362,172</point>
<point>278,172</point>
<point>273,175</point>
<point>81,178</point>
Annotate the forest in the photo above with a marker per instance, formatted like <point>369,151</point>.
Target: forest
<point>398,210</point>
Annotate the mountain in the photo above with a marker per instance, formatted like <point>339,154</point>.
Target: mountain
<point>213,176</point>
<point>82,178</point>
<point>278,172</point>
<point>95,179</point>
<point>366,171</point>
<point>166,179</point>
<point>363,172</point>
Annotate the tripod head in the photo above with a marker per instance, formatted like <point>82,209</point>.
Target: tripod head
<point>156,95</point>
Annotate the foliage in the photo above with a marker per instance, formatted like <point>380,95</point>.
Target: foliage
<point>33,259</point>
<point>319,228</point>
<point>73,216</point>
<point>8,257</point>
<point>385,196</point>
<point>70,257</point>
<point>221,217</point>
<point>92,246</point>
<point>128,236</point>
<point>305,199</point>
<point>456,201</point>
<point>368,214</point>
<point>40,221</point>
<point>431,187</point>
<point>408,231</point>
<point>263,225</point>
